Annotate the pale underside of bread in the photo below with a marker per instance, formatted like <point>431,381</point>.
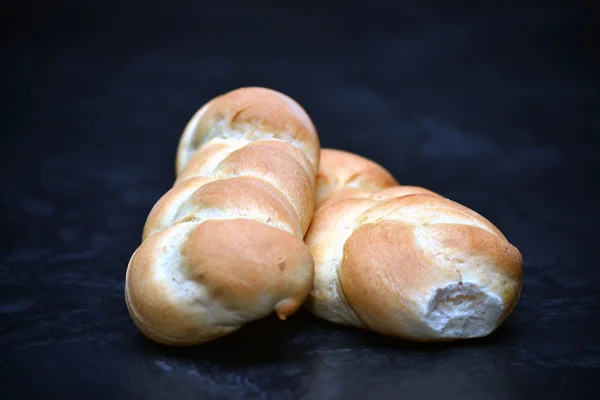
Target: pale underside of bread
<point>223,247</point>
<point>404,261</point>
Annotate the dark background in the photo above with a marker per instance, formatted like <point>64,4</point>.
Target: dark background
<point>492,104</point>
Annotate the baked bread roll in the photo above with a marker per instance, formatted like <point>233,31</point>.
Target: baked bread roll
<point>403,261</point>
<point>224,246</point>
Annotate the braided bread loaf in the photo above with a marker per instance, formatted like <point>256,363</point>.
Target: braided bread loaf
<point>223,247</point>
<point>404,261</point>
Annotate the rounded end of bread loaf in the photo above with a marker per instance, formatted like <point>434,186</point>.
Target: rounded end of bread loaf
<point>195,282</point>
<point>463,311</point>
<point>155,334</point>
<point>433,283</point>
<point>250,114</point>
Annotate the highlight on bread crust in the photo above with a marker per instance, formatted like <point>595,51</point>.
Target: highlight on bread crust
<point>224,246</point>
<point>404,261</point>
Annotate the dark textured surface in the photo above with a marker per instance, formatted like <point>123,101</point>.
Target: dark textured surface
<point>493,106</point>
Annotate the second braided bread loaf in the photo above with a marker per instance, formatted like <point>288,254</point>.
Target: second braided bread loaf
<point>404,261</point>
<point>223,247</point>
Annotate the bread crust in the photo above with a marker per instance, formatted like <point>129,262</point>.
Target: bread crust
<point>223,247</point>
<point>404,261</point>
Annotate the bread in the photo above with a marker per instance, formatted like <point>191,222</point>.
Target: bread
<point>224,246</point>
<point>404,261</point>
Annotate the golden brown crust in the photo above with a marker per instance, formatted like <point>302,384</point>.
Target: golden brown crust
<point>278,168</point>
<point>223,247</point>
<point>261,262</point>
<point>401,191</point>
<point>405,261</point>
<point>384,258</point>
<point>156,310</point>
<point>243,195</point>
<point>252,109</point>
<point>425,208</point>
<point>342,174</point>
<point>206,158</point>
<point>163,213</point>
<point>294,152</point>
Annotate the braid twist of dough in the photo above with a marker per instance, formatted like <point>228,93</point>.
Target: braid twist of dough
<point>223,247</point>
<point>404,261</point>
